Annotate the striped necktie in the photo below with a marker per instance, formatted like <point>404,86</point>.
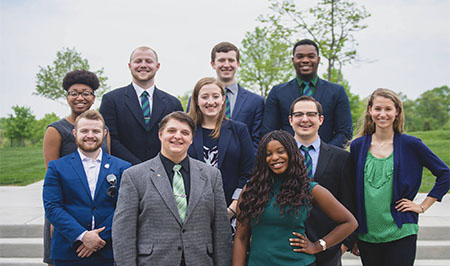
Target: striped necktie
<point>179,192</point>
<point>146,109</point>
<point>227,104</point>
<point>308,160</point>
<point>307,90</point>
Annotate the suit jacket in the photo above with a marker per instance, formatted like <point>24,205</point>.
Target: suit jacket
<point>337,127</point>
<point>236,156</point>
<point>147,229</point>
<point>334,172</point>
<point>69,206</point>
<point>124,117</point>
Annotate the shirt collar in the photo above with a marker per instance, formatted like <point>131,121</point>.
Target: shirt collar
<point>184,163</point>
<point>233,88</point>
<point>315,144</point>
<point>84,158</point>
<point>140,90</point>
<point>313,81</point>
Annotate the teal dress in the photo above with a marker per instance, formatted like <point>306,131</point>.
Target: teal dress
<point>270,235</point>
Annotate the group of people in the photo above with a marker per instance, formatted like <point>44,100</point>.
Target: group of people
<point>234,180</point>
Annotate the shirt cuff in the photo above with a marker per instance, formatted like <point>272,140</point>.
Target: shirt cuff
<point>236,194</point>
<point>80,237</point>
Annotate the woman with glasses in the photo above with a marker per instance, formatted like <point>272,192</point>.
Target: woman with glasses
<point>59,139</point>
<point>389,166</point>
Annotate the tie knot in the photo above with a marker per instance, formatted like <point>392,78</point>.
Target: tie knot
<point>307,149</point>
<point>144,94</point>
<point>176,167</point>
<point>306,83</point>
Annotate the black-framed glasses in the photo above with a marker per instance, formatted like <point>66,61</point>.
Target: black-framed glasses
<point>112,190</point>
<point>84,94</point>
<point>301,114</point>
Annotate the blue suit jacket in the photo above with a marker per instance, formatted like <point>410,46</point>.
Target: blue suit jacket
<point>69,206</point>
<point>337,128</point>
<point>236,157</point>
<point>123,115</point>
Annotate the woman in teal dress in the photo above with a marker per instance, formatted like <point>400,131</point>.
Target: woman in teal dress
<point>275,203</point>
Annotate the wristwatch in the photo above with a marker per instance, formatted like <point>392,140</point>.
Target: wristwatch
<point>323,244</point>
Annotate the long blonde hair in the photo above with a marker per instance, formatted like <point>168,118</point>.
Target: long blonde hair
<point>195,112</point>
<point>399,122</point>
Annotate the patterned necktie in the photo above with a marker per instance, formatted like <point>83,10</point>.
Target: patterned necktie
<point>178,191</point>
<point>307,90</point>
<point>308,160</point>
<point>146,109</point>
<point>227,104</point>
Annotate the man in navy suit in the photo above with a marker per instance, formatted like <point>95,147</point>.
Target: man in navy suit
<point>328,165</point>
<point>80,194</point>
<point>245,106</point>
<point>337,127</point>
<point>132,113</point>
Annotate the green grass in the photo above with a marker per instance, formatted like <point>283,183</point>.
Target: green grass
<point>439,142</point>
<point>21,166</point>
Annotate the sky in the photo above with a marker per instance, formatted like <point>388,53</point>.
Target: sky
<point>406,46</point>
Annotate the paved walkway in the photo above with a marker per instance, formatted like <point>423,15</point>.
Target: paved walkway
<point>23,205</point>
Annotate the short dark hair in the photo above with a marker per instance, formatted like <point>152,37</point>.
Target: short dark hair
<point>224,47</point>
<point>306,42</point>
<point>81,76</point>
<point>90,115</point>
<point>179,116</point>
<point>306,98</point>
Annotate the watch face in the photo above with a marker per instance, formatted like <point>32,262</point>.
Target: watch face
<point>323,244</point>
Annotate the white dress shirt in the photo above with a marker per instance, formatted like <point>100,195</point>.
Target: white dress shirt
<point>139,92</point>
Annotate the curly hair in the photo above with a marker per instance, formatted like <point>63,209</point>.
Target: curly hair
<point>294,192</point>
<point>81,76</point>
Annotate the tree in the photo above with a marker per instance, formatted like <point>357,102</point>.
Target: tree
<point>433,108</point>
<point>185,99</point>
<point>40,126</point>
<point>331,24</point>
<point>19,127</point>
<point>265,58</point>
<point>49,79</point>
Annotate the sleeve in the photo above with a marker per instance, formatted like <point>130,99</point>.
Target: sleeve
<point>247,157</point>
<point>271,119</point>
<point>257,123</point>
<point>343,130</point>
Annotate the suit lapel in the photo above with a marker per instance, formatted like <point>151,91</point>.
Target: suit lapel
<point>240,99</point>
<point>318,92</point>
<point>102,173</point>
<point>294,90</point>
<point>197,185</point>
<point>132,102</point>
<point>225,135</point>
<point>157,107</point>
<point>77,166</point>
<point>322,161</point>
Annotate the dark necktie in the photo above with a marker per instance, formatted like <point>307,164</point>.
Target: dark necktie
<point>227,104</point>
<point>308,160</point>
<point>307,90</point>
<point>146,109</point>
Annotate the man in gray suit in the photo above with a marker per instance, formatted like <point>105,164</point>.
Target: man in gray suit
<point>171,216</point>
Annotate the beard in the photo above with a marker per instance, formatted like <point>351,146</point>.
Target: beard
<point>88,148</point>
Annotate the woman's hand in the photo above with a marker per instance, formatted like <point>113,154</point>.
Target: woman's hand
<point>406,205</point>
<point>355,250</point>
<point>306,246</point>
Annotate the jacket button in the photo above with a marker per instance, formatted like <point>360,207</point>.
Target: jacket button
<point>93,208</point>
<point>182,231</point>
<point>179,248</point>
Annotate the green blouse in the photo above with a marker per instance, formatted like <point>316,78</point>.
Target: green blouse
<point>378,187</point>
<point>270,235</point>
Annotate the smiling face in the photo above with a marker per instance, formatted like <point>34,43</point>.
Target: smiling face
<point>276,157</point>
<point>175,137</point>
<point>89,134</point>
<point>306,61</point>
<point>226,65</point>
<point>143,66</point>
<point>306,121</point>
<point>79,104</point>
<point>210,101</point>
<point>383,112</point>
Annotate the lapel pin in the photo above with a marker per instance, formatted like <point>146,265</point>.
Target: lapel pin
<point>107,166</point>
<point>158,175</point>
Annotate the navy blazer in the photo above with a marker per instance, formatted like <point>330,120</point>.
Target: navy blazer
<point>335,173</point>
<point>69,206</point>
<point>337,128</point>
<point>123,115</point>
<point>236,156</point>
<point>410,156</point>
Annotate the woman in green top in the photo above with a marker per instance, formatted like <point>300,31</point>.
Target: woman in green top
<point>275,203</point>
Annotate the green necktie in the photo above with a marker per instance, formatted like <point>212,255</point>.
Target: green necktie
<point>146,109</point>
<point>227,104</point>
<point>308,160</point>
<point>307,90</point>
<point>178,191</point>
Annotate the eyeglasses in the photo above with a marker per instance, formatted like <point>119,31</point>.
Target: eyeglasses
<point>301,114</point>
<point>84,94</point>
<point>112,190</point>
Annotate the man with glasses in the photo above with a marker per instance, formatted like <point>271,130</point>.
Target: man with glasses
<point>80,194</point>
<point>328,165</point>
<point>337,128</point>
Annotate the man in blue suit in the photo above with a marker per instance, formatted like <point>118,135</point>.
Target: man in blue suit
<point>132,113</point>
<point>80,194</point>
<point>337,127</point>
<point>244,106</point>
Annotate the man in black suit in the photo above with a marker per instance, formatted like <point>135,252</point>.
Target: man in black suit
<point>328,165</point>
<point>132,113</point>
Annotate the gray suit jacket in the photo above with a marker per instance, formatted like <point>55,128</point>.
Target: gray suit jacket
<point>147,229</point>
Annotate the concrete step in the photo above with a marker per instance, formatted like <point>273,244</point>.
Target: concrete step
<point>21,230</point>
<point>21,262</point>
<point>21,247</point>
<point>434,232</point>
<point>346,262</point>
